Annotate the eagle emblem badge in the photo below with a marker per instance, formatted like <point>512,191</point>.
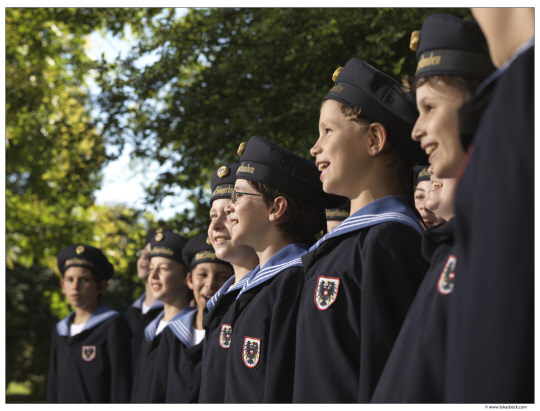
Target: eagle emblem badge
<point>225,335</point>
<point>326,292</point>
<point>252,351</point>
<point>88,352</point>
<point>445,285</point>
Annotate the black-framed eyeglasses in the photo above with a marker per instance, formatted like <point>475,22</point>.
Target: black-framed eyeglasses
<point>237,194</point>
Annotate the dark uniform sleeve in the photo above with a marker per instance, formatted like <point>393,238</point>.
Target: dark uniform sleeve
<point>52,389</point>
<point>491,315</point>
<point>392,271</point>
<point>119,349</point>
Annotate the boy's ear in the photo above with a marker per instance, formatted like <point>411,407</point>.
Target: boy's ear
<point>377,138</point>
<point>189,281</point>
<point>279,206</point>
<point>102,286</point>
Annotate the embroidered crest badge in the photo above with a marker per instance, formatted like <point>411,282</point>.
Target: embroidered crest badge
<point>88,352</point>
<point>445,285</point>
<point>326,292</point>
<point>225,335</point>
<point>252,351</point>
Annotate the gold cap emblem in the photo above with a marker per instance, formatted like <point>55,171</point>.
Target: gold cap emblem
<point>415,38</point>
<point>208,240</point>
<point>159,237</point>
<point>223,171</point>
<point>241,148</point>
<point>79,249</point>
<point>336,74</point>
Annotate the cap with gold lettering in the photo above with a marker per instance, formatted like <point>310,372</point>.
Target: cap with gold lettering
<point>82,255</point>
<point>448,45</point>
<point>265,162</point>
<point>166,243</point>
<point>339,213</point>
<point>381,99</point>
<point>198,250</point>
<point>222,182</point>
<point>421,173</point>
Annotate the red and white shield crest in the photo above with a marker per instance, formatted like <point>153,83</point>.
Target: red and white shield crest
<point>252,351</point>
<point>88,352</point>
<point>225,335</point>
<point>326,292</point>
<point>445,285</point>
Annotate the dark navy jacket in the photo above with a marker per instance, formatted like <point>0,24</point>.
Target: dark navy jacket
<point>260,362</point>
<point>217,339</point>
<point>177,374</point>
<point>491,315</point>
<point>138,322</point>
<point>360,281</point>
<point>142,378</point>
<point>415,370</point>
<point>93,366</point>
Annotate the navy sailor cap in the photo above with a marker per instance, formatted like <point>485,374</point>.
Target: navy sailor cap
<point>265,162</point>
<point>222,182</point>
<point>82,255</point>
<point>448,45</point>
<point>166,243</point>
<point>199,250</point>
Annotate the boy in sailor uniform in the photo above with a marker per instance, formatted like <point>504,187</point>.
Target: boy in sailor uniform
<point>415,371</point>
<point>177,375</point>
<point>91,348</point>
<point>145,308</point>
<point>167,281</point>
<point>243,259</point>
<point>277,208</point>
<point>362,277</point>
<point>491,316</point>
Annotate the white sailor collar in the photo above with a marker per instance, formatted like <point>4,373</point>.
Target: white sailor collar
<point>389,208</point>
<point>150,330</point>
<point>289,256</point>
<point>180,325</point>
<point>139,302</point>
<point>100,314</point>
<point>227,288</point>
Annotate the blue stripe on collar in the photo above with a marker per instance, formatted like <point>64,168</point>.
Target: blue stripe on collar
<point>139,302</point>
<point>227,288</point>
<point>180,325</point>
<point>390,208</point>
<point>289,256</point>
<point>100,314</point>
<point>150,330</point>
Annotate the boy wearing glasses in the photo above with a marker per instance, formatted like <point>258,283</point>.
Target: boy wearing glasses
<point>277,208</point>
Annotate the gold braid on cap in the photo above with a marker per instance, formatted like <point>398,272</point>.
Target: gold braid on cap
<point>415,39</point>
<point>336,74</point>
<point>241,148</point>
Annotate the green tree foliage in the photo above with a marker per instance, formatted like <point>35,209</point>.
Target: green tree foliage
<point>226,74</point>
<point>54,154</point>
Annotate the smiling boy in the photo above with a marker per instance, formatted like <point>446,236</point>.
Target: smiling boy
<point>177,375</point>
<point>243,259</point>
<point>90,353</point>
<point>167,281</point>
<point>360,278</point>
<point>277,208</point>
